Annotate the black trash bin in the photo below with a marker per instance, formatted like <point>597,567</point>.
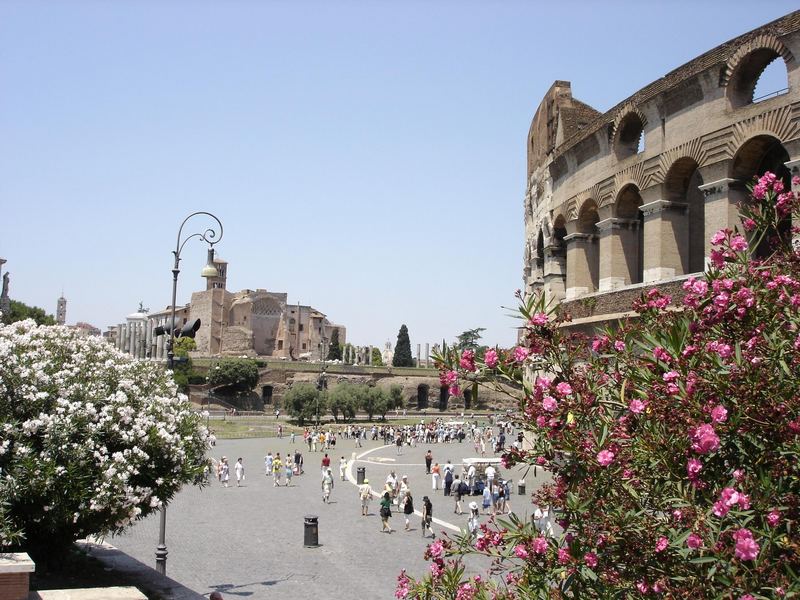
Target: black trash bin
<point>311,532</point>
<point>360,475</point>
<point>521,487</point>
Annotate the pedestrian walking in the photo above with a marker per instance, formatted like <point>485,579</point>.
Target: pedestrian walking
<point>408,509</point>
<point>225,472</point>
<point>386,512</point>
<point>487,499</point>
<point>326,464</point>
<point>399,443</point>
<point>365,495</point>
<point>460,489</point>
<point>436,473</point>
<point>427,515</point>
<point>288,470</point>
<point>428,461</point>
<point>291,437</point>
<point>277,467</point>
<point>239,469</point>
<point>342,467</point>
<point>448,480</point>
<point>327,486</point>
<point>268,464</point>
<point>473,522</point>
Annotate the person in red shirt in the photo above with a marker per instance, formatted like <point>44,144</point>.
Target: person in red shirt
<point>326,463</point>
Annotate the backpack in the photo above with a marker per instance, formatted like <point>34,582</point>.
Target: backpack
<point>463,489</point>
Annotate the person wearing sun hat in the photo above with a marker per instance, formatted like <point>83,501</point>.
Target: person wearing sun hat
<point>365,494</point>
<point>472,524</point>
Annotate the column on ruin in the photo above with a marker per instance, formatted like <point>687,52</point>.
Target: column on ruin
<point>123,344</point>
<point>582,251</point>
<point>129,338</point>
<point>721,211</point>
<point>149,346</point>
<point>118,340</point>
<point>794,169</point>
<point>369,359</point>
<point>666,240</point>
<point>419,353</point>
<point>619,249</point>
<point>427,354</point>
<point>555,269</point>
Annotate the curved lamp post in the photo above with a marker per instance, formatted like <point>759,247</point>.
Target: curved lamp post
<point>210,236</point>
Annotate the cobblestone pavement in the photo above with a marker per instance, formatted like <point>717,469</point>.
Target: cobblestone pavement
<point>247,542</point>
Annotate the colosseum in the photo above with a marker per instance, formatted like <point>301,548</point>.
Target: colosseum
<point>629,198</point>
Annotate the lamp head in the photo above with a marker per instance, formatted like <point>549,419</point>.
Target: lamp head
<point>210,270</point>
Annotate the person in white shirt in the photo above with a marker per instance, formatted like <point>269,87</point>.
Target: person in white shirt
<point>490,473</point>
<point>471,478</point>
<point>239,469</point>
<point>342,467</point>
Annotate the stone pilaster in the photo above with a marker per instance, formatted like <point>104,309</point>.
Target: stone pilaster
<point>666,240</point>
<point>555,269</point>
<point>619,247</point>
<point>581,262</point>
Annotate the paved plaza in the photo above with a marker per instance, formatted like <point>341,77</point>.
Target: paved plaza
<point>248,542</point>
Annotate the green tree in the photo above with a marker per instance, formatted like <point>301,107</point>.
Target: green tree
<point>335,349</point>
<point>303,400</point>
<point>377,359</point>
<point>396,399</point>
<point>374,401</point>
<point>183,370</point>
<point>234,374</point>
<point>342,400</point>
<point>21,311</point>
<point>469,339</point>
<point>402,351</point>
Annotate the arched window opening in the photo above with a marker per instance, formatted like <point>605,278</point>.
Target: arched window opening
<point>630,136</point>
<point>773,81</point>
<point>540,252</point>
<point>764,69</point>
<point>682,185</point>
<point>757,156</point>
<point>444,396</point>
<point>422,396</point>
<point>632,232</point>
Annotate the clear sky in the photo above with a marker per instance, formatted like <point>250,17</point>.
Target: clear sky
<point>368,158</point>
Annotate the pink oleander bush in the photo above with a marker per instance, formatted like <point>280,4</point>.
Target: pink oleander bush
<point>673,440</point>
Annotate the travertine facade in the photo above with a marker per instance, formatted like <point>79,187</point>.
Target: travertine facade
<point>630,197</point>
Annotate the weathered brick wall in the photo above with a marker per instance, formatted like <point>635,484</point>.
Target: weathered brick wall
<point>619,301</point>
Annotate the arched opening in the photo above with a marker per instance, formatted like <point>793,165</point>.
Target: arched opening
<point>757,156</point>
<point>630,136</point>
<point>540,253</point>
<point>468,399</point>
<point>444,396</point>
<point>682,185</point>
<point>759,76</point>
<point>631,232</point>
<point>587,224</point>
<point>266,394</point>
<point>422,396</point>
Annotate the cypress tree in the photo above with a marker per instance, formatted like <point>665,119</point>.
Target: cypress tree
<point>335,350</point>
<point>402,351</point>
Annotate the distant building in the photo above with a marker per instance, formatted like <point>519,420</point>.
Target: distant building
<point>248,322</point>
<point>61,311</point>
<point>85,329</point>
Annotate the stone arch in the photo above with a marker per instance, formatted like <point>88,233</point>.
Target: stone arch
<point>742,71</point>
<point>627,133</point>
<point>755,157</point>
<point>540,251</point>
<point>422,395</point>
<point>444,397</point>
<point>682,185</point>
<point>630,220</point>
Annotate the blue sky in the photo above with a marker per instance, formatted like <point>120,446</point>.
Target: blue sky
<point>368,158</point>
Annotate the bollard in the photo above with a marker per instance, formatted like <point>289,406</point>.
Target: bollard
<point>521,487</point>
<point>311,532</point>
<point>360,474</point>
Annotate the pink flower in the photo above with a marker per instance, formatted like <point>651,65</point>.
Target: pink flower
<point>619,346</point>
<point>564,389</point>
<point>738,243</point>
<point>642,587</point>
<point>670,376</point>
<point>448,378</point>
<point>738,474</point>
<point>704,439</point>
<point>636,406</point>
<point>563,556</point>
<point>549,404</point>
<point>746,597</point>
<point>539,319</point>
<point>773,518</point>
<point>541,420</point>
<point>746,547</point>
<point>436,549</point>
<point>540,545</point>
<point>719,236</point>
<point>693,468</point>
<point>490,358</point>
<point>694,541</point>
<point>436,570</point>
<point>467,361</point>
<point>521,353</point>
<point>520,551</point>
<point>590,558</point>
<point>454,390</point>
<point>660,354</point>
<point>605,457</point>
<point>662,544</point>
<point>719,414</point>
<point>748,224</point>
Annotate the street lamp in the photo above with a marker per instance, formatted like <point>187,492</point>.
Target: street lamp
<point>209,236</point>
